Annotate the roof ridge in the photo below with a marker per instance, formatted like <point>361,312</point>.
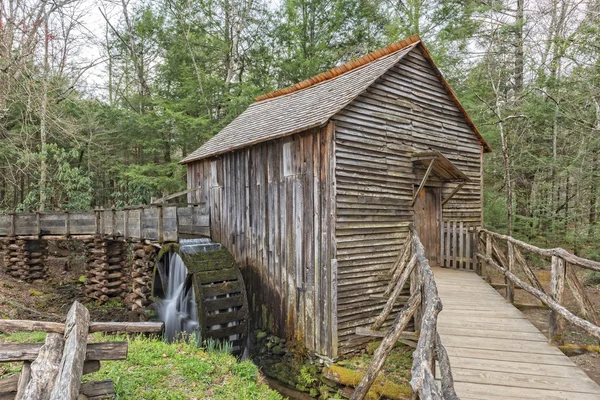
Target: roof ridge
<point>339,70</point>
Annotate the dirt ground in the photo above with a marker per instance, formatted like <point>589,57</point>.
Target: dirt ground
<point>52,300</point>
<point>590,361</point>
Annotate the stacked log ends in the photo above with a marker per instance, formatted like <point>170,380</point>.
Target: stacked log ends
<point>25,259</point>
<point>107,271</point>
<point>143,259</point>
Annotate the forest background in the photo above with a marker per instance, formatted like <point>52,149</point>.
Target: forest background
<point>99,116</point>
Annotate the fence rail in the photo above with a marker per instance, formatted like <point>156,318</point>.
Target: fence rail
<point>563,273</point>
<point>163,223</point>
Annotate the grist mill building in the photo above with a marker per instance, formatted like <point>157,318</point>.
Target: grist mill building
<point>312,189</point>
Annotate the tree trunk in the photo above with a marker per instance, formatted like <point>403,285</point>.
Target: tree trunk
<point>43,122</point>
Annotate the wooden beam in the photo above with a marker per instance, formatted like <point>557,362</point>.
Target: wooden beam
<point>16,325</point>
<point>174,195</point>
<point>13,352</point>
<point>389,305</point>
<point>387,344</point>
<point>557,288</point>
<point>44,370</point>
<point>560,252</point>
<point>429,168</point>
<point>71,366</point>
<point>453,192</point>
<point>587,326</point>
<point>586,306</point>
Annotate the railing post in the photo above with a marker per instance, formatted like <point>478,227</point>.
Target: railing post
<point>557,287</point>
<point>488,253</point>
<point>478,250</point>
<point>510,289</point>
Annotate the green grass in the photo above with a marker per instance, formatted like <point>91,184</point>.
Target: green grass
<point>158,370</point>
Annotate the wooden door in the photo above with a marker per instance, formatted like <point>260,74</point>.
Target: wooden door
<point>428,214</point>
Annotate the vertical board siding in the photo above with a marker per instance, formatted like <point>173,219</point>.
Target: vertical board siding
<point>407,110</point>
<point>458,245</point>
<point>271,206</point>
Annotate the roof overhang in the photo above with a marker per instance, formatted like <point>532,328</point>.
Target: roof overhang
<point>442,167</point>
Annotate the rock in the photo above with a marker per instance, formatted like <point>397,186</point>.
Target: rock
<point>260,335</point>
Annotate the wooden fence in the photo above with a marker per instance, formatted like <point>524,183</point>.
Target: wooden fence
<point>161,223</point>
<point>563,266</point>
<point>458,245</point>
<point>423,305</point>
<point>53,370</point>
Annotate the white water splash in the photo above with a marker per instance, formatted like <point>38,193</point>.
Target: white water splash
<point>178,310</point>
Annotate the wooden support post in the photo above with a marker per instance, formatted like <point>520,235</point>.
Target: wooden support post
<point>527,269</point>
<point>386,346</point>
<point>392,300</point>
<point>398,267</point>
<point>488,253</point>
<point>114,223</point>
<point>160,224</point>
<point>453,192</point>
<point>557,287</point>
<point>24,378</point>
<point>71,366</point>
<point>37,224</point>
<point>429,168</point>
<point>478,249</point>
<point>126,224</point>
<point>44,370</point>
<point>510,290</point>
<point>586,306</point>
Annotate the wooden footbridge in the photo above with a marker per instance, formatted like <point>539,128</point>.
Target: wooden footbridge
<point>484,347</point>
<point>495,352</point>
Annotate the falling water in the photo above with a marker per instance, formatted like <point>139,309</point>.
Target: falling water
<point>178,308</point>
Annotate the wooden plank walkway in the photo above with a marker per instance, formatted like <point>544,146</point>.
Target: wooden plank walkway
<point>495,352</point>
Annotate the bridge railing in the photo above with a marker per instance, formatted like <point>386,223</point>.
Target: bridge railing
<point>505,255</point>
<point>156,222</point>
<point>423,305</point>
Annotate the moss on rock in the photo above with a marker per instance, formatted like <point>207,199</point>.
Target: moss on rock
<point>381,386</point>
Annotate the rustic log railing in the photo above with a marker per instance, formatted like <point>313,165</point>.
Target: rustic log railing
<point>53,370</point>
<point>424,305</point>
<point>162,223</point>
<point>563,273</point>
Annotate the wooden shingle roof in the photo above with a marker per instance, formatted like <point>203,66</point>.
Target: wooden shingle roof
<point>311,103</point>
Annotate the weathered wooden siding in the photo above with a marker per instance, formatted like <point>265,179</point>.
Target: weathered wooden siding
<point>271,206</point>
<point>407,110</point>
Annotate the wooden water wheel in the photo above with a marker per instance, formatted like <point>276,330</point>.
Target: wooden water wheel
<point>219,289</point>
